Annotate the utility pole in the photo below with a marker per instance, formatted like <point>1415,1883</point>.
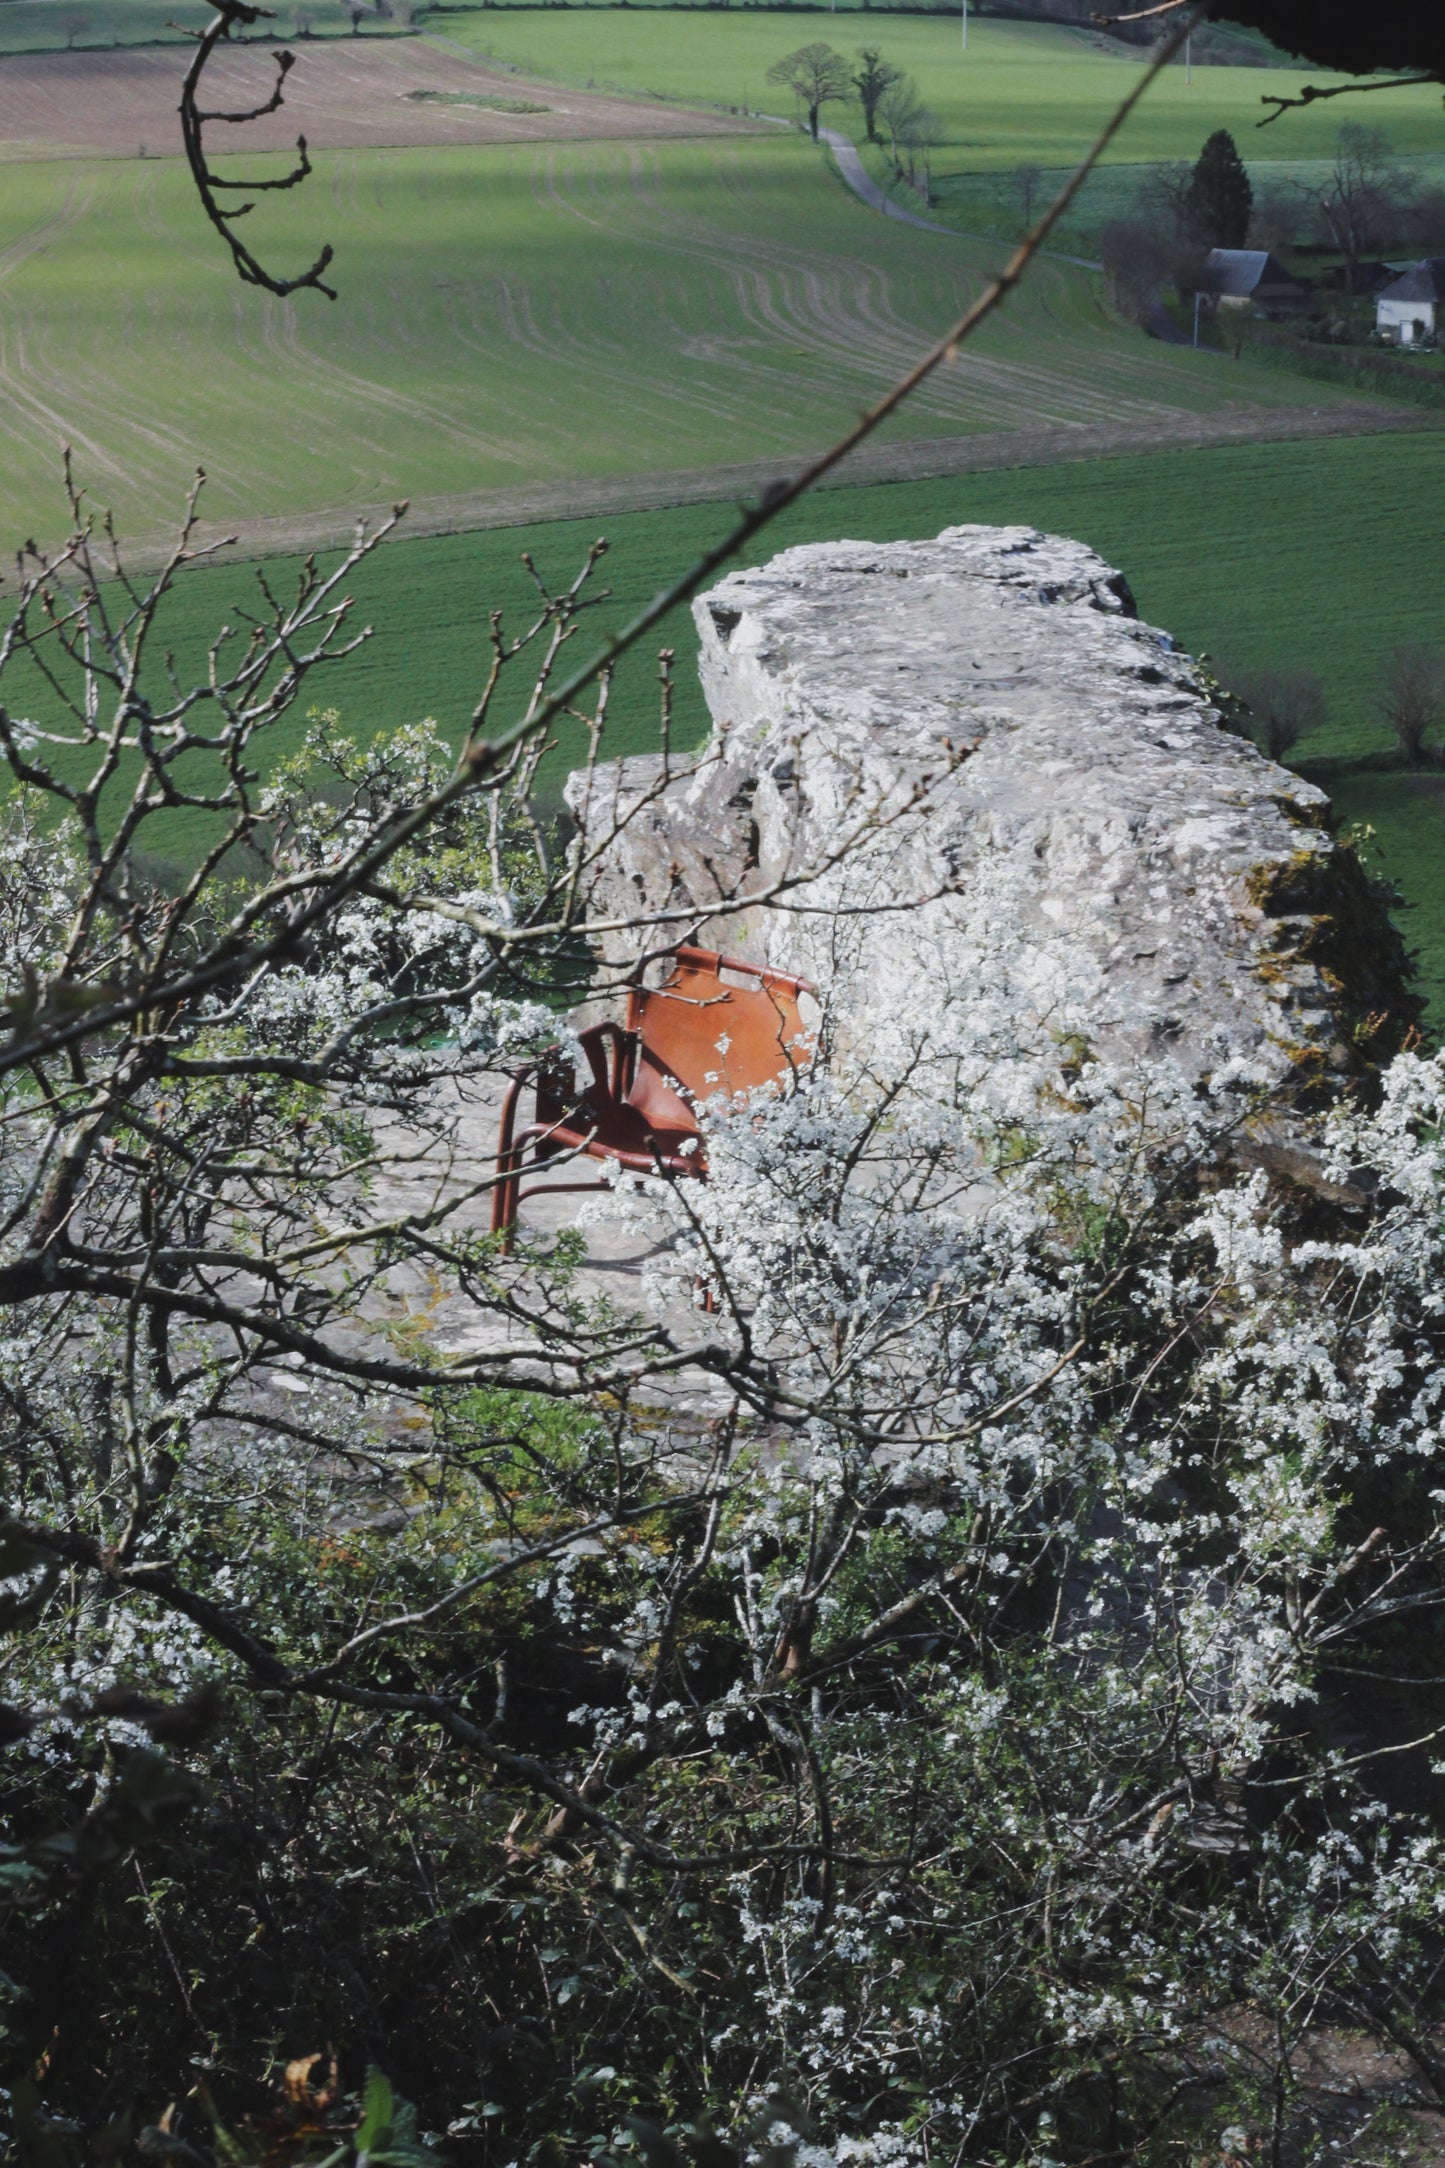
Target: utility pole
<point>965,25</point>
<point>1189,60</point>
<point>1197,299</point>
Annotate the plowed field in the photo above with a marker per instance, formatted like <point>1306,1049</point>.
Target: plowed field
<point>344,94</point>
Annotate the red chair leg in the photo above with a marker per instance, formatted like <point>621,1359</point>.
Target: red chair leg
<point>506,1195</point>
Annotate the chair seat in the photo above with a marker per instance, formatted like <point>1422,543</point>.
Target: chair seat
<point>617,1131</point>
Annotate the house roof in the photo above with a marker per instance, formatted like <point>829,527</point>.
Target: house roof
<point>1239,272</point>
<point>1422,282</point>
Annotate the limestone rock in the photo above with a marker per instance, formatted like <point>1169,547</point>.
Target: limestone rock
<point>1079,768</point>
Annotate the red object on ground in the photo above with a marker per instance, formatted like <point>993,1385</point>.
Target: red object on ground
<point>717,1024</point>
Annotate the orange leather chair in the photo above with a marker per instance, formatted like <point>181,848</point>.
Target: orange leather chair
<point>717,1024</point>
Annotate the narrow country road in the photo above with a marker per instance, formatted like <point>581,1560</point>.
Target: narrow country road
<point>851,166</point>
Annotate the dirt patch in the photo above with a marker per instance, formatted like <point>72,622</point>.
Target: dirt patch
<point>343,94</point>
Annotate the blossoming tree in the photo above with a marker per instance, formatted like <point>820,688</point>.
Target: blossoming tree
<point>967,1688</point>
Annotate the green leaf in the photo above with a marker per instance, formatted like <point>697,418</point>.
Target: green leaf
<point>376,2112</point>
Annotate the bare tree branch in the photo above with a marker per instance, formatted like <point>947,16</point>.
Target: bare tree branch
<point>231,14</point>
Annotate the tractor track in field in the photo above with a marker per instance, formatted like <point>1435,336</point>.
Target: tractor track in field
<point>840,310</point>
<point>24,409</point>
<point>918,459</point>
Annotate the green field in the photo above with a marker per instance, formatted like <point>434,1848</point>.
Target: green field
<point>516,314</point>
<point>1322,555</point>
<point>1407,814</point>
<point>1022,91</point>
<point>41,26</point>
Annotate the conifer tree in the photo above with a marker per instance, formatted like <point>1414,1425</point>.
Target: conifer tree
<point>1220,196</point>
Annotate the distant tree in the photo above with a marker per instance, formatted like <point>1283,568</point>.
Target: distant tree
<point>1154,244</point>
<point>1163,197</point>
<point>1287,705</point>
<point>1365,201</point>
<point>1412,697</point>
<point>918,142</point>
<point>1220,195</point>
<point>1427,221</point>
<point>304,20</point>
<point>75,26</point>
<point>816,75</point>
<point>1277,216</point>
<point>1138,260</point>
<point>902,113</point>
<point>1027,181</point>
<point>871,79</point>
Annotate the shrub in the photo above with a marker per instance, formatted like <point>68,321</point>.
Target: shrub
<point>1412,697</point>
<point>1287,705</point>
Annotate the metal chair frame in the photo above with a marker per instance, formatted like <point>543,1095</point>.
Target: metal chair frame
<point>648,1075</point>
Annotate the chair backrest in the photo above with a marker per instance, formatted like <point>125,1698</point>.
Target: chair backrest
<point>717,1024</point>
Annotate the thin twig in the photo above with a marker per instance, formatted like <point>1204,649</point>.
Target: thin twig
<point>1312,93</point>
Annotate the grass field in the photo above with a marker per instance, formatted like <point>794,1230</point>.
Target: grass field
<point>45,26</point>
<point>1022,91</point>
<point>1407,814</point>
<point>513,314</point>
<point>1260,553</point>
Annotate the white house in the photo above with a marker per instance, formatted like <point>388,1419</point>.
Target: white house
<point>1408,309</point>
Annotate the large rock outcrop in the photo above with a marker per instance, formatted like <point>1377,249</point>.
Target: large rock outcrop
<point>1191,891</point>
